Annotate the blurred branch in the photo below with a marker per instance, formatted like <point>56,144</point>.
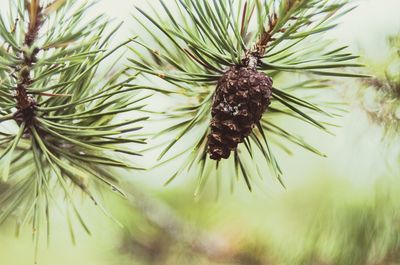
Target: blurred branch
<point>174,230</point>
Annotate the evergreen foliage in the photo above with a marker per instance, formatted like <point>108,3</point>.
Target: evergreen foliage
<point>198,41</point>
<point>59,109</point>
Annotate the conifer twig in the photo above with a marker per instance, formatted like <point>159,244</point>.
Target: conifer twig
<point>229,59</point>
<point>63,132</point>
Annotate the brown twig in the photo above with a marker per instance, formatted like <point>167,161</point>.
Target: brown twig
<point>35,22</point>
<point>26,104</point>
<point>266,36</point>
<point>254,55</point>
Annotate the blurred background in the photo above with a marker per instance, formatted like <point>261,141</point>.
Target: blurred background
<point>339,210</point>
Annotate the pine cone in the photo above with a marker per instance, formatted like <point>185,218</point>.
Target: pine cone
<point>242,96</point>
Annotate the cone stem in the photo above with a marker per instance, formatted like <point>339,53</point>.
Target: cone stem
<point>253,62</point>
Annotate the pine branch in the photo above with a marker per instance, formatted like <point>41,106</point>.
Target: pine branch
<point>63,130</point>
<point>204,51</point>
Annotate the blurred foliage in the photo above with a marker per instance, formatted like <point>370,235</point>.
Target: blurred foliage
<point>381,95</point>
<point>335,224</point>
<point>379,99</point>
<point>338,225</point>
<point>165,230</point>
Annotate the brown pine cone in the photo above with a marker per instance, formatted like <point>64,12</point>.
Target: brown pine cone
<point>242,96</point>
